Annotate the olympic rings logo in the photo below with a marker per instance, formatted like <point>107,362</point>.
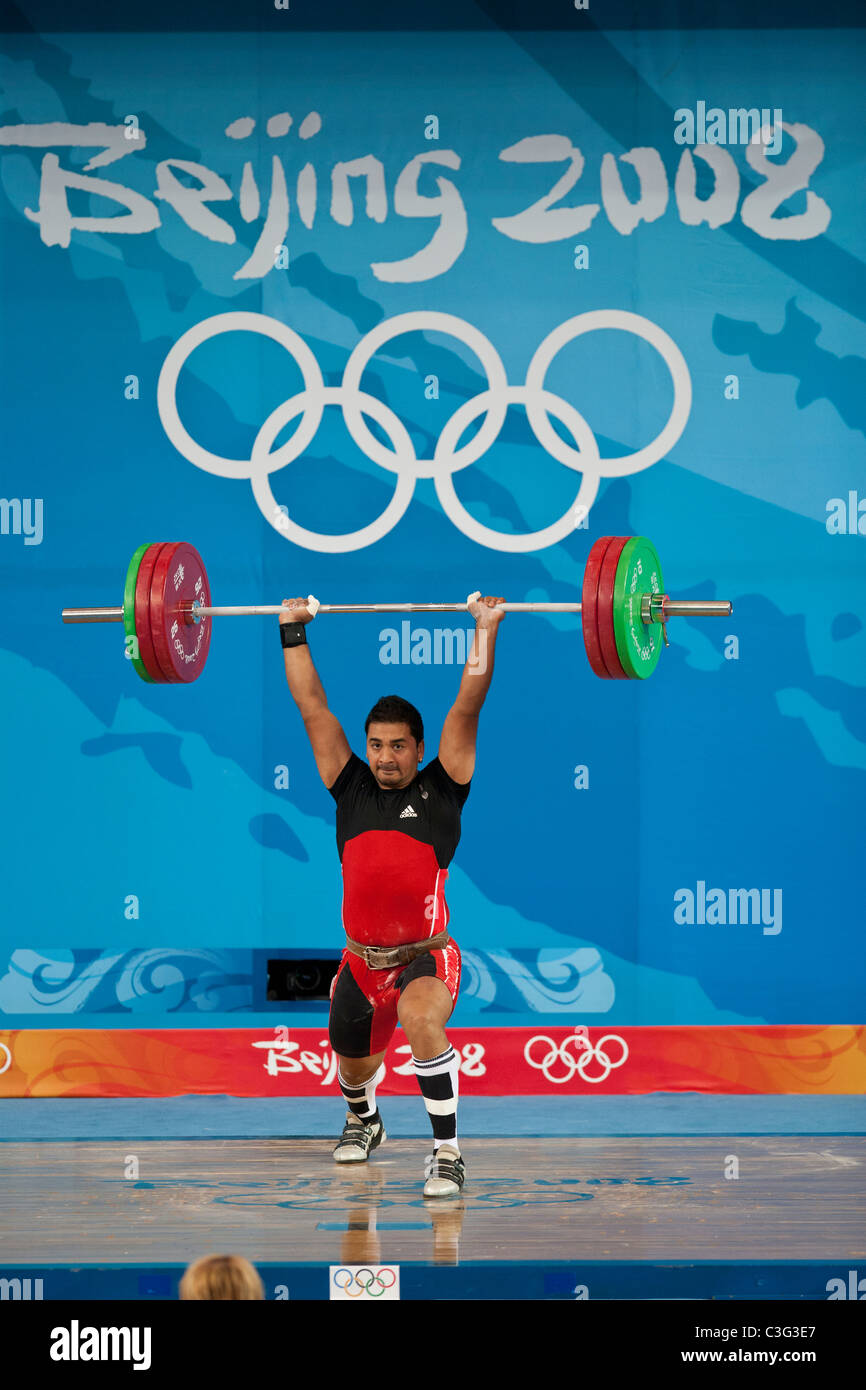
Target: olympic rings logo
<point>360,1281</point>
<point>401,458</point>
<point>575,1054</point>
<point>7,1064</point>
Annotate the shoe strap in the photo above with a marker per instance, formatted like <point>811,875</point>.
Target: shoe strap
<point>445,1167</point>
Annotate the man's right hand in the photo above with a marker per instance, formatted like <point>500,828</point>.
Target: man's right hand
<point>295,610</point>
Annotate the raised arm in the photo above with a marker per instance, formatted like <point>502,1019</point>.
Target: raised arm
<point>460,730</point>
<point>330,745</point>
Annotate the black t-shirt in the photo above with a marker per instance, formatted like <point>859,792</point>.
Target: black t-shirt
<point>395,847</point>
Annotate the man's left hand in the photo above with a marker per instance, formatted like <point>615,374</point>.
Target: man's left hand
<point>484,610</point>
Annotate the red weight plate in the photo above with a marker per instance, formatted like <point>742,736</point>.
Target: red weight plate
<point>604,617</point>
<point>588,611</point>
<point>179,579</point>
<point>143,630</point>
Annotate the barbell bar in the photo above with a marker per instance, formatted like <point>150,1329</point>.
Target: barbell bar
<point>624,610</point>
<point>663,608</point>
<point>683,608</point>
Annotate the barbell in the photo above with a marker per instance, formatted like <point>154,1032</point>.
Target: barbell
<point>167,611</point>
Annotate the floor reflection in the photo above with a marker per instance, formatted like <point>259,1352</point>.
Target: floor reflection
<point>362,1243</point>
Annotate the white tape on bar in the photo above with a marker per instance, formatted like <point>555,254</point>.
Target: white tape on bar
<point>313,604</point>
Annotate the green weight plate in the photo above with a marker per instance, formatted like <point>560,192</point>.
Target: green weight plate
<point>638,643</point>
<point>129,613</point>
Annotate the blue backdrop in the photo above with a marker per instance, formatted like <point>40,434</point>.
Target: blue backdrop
<point>682,850</point>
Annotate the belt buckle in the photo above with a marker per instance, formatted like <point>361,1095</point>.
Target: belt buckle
<point>375,951</point>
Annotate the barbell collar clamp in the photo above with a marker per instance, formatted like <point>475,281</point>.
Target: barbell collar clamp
<point>657,608</point>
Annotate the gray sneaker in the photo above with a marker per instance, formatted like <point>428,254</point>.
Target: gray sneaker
<point>358,1140</point>
<point>444,1171</point>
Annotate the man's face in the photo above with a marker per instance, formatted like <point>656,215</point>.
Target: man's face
<point>393,754</point>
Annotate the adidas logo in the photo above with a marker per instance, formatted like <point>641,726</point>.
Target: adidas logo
<point>408,812</point>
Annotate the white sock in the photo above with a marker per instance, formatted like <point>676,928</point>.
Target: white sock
<point>438,1080</point>
<point>361,1100</point>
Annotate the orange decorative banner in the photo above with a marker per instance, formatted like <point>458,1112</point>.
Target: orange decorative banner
<point>772,1060</point>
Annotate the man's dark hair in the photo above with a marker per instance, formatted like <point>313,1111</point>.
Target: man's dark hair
<point>393,709</point>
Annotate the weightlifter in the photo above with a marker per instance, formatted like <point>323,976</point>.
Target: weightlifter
<point>398,826</point>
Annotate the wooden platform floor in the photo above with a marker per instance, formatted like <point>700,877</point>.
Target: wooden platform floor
<point>796,1198</point>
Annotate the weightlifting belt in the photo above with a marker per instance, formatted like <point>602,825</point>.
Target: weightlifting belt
<point>386,957</point>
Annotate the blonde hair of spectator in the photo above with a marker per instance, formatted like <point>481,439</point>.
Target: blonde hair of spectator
<point>221,1277</point>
